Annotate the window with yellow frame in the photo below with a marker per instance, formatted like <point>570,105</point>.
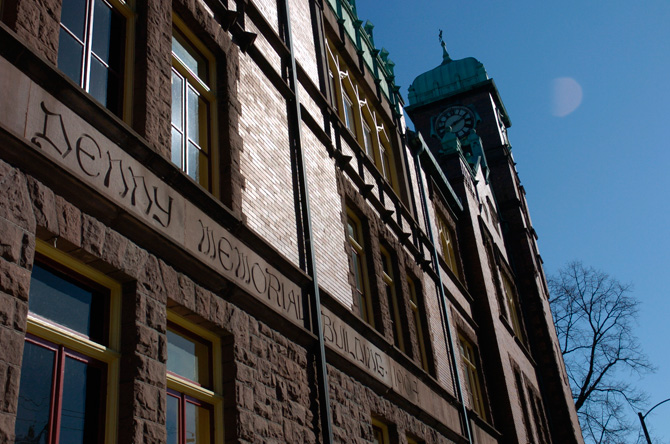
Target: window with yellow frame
<point>70,369</point>
<point>411,440</point>
<point>397,326</point>
<point>447,244</point>
<point>194,384</point>
<point>358,266</point>
<point>474,388</point>
<point>360,118</point>
<point>95,50</point>
<point>194,108</point>
<point>380,432</point>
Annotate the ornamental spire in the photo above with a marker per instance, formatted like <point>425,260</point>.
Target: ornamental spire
<point>445,54</point>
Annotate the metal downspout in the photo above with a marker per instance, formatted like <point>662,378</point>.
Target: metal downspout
<point>446,325</point>
<point>310,263</point>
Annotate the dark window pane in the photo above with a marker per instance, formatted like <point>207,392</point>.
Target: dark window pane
<point>176,147</point>
<point>117,42</point>
<point>177,105</point>
<point>81,404</point>
<point>188,357</point>
<point>172,420</point>
<point>70,56</point>
<point>73,15</point>
<point>102,28</point>
<point>114,93</point>
<point>32,418</point>
<point>198,424</point>
<point>98,82</point>
<point>61,300</point>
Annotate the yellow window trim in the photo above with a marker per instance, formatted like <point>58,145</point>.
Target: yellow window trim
<point>384,428</point>
<point>109,355</point>
<point>127,9</point>
<point>212,397</point>
<point>209,92</point>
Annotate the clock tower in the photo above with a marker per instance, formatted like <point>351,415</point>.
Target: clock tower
<point>458,96</point>
<point>457,109</point>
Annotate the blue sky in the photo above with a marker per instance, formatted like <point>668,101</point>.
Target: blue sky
<point>597,178</point>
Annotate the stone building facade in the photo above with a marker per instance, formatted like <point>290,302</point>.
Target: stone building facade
<point>215,227</point>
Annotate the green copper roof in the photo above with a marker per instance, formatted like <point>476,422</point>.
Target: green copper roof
<point>449,77</point>
<point>360,34</point>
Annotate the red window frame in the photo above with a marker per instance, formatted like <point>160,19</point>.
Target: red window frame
<point>183,399</point>
<point>57,377</point>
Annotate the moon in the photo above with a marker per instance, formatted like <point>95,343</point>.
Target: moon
<point>566,96</point>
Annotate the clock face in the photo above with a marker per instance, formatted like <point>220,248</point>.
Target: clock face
<point>460,118</point>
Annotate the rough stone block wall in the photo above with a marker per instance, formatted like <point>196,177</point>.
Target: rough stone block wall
<point>353,406</point>
<point>268,392</point>
<point>17,249</point>
<point>37,23</point>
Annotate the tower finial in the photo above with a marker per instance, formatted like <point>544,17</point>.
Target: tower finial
<point>445,54</point>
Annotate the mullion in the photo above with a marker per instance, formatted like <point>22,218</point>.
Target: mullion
<point>182,418</point>
<point>184,124</point>
<point>88,37</point>
<point>58,395</point>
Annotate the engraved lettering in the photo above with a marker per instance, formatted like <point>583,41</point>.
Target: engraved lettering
<point>92,157</point>
<point>256,276</point>
<point>274,286</point>
<point>224,252</point>
<point>135,198</point>
<point>328,332</point>
<point>167,212</point>
<point>53,133</point>
<point>205,235</point>
<point>294,303</point>
<point>108,176</point>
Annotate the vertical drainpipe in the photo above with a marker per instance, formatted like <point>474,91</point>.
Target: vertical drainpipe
<point>310,263</point>
<point>446,324</point>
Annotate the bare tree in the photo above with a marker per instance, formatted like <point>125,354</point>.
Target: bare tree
<point>595,316</point>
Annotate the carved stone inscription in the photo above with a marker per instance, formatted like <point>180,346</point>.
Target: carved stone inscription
<point>350,344</point>
<point>218,248</point>
<point>73,144</point>
<point>70,142</point>
<point>354,347</point>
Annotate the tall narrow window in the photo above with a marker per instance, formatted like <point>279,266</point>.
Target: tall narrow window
<point>367,141</point>
<point>349,118</point>
<point>475,393</point>
<point>540,419</point>
<point>512,306</point>
<point>91,48</point>
<point>524,405</point>
<point>193,403</point>
<point>386,168</point>
<point>418,325</point>
<point>446,237</point>
<point>69,371</point>
<point>359,268</point>
<point>193,106</point>
<point>392,298</point>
